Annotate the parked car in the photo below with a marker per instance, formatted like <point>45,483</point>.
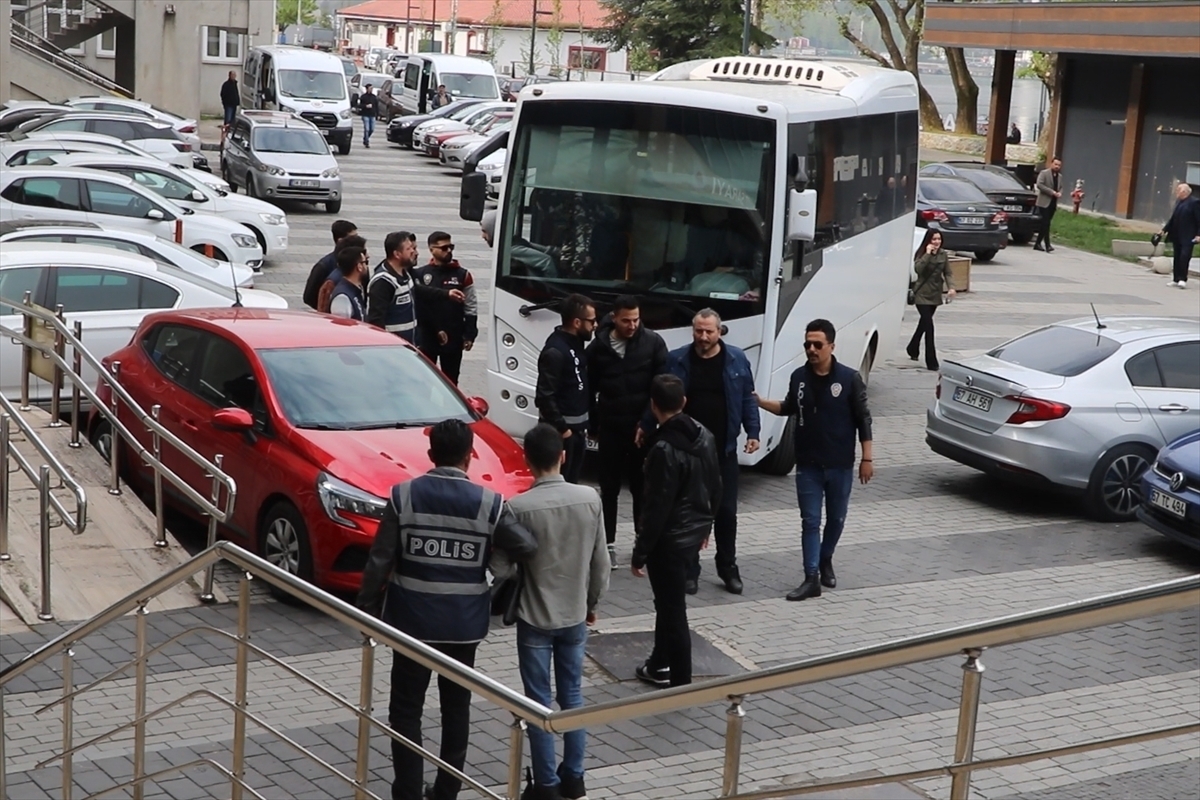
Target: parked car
<point>359,81</point>
<point>155,137</point>
<point>455,151</point>
<point>400,131</point>
<point>267,223</point>
<point>493,168</point>
<point>317,419</point>
<point>17,112</point>
<point>967,219</point>
<point>1003,188</point>
<point>88,195</point>
<point>108,292</point>
<point>187,161</point>
<point>511,87</point>
<point>429,135</point>
<point>1076,406</point>
<point>154,247</point>
<point>389,99</point>
<point>185,127</point>
<point>1171,491</point>
<point>278,156</point>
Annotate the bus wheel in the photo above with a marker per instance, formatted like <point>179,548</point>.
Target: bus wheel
<point>781,460</point>
<point>864,369</point>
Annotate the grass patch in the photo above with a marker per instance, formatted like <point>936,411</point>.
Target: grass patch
<point>1093,234</point>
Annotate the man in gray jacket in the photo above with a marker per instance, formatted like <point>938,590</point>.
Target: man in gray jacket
<point>1049,190</point>
<point>563,583</point>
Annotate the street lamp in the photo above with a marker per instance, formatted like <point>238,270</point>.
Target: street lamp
<point>533,35</point>
<point>746,14</point>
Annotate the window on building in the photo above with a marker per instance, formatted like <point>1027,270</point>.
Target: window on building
<point>222,44</point>
<point>106,44</point>
<point>579,57</point>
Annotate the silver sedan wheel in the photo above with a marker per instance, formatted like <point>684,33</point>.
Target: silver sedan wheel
<point>1120,487</point>
<point>282,546</point>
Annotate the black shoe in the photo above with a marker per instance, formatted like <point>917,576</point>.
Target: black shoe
<point>1039,247</point>
<point>1049,249</point>
<point>691,586</point>
<point>913,355</point>
<point>733,580</point>
<point>828,579</point>
<point>570,786</point>
<point>536,791</point>
<point>810,588</point>
<point>427,794</point>
<point>654,677</point>
<point>932,366</point>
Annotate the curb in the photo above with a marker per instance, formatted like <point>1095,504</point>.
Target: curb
<point>210,147</point>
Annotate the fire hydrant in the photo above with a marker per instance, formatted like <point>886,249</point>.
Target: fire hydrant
<point>1077,196</point>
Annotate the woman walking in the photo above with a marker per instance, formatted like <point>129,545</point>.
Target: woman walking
<point>931,269</point>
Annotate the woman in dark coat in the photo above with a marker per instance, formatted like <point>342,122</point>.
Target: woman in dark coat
<point>931,270</point>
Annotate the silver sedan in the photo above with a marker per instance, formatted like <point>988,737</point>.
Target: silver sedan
<point>1082,406</point>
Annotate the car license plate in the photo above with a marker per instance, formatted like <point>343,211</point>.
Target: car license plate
<point>1014,208</point>
<point>305,184</point>
<point>970,220</point>
<point>973,399</point>
<point>1172,505</point>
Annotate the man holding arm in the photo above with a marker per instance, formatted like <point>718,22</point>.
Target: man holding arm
<point>830,402</point>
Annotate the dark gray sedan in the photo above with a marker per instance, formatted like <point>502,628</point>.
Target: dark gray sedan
<point>967,219</point>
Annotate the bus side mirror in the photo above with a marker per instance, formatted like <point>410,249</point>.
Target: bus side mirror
<point>802,215</point>
<point>474,194</point>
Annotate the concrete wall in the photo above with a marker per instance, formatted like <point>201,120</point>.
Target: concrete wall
<point>1171,94</point>
<point>5,50</point>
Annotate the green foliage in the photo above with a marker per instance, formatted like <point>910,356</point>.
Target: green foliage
<point>286,10</point>
<point>670,31</point>
<point>554,39</point>
<point>1090,233</point>
<point>1040,66</point>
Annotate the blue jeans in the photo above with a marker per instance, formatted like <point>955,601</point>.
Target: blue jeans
<point>536,649</point>
<point>814,485</point>
<point>368,128</point>
<point>230,113</point>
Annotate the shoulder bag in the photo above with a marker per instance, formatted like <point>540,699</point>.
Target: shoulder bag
<point>506,597</point>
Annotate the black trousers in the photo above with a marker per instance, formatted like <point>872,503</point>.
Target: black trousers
<point>1044,216</point>
<point>447,356</point>
<point>725,523</point>
<point>1183,254</point>
<point>410,680</point>
<point>575,447</point>
<point>620,460</point>
<point>924,328</point>
<point>668,569</point>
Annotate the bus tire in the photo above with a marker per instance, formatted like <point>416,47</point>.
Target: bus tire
<point>781,460</point>
<point>868,361</point>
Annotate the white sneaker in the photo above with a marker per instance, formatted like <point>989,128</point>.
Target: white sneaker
<point>1172,283</point>
<point>1181,285</point>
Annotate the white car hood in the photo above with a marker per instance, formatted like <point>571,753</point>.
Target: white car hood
<point>306,163</point>
<point>207,178</point>
<point>260,298</point>
<point>251,205</point>
<point>465,142</point>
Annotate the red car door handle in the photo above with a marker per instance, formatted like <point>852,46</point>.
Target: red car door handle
<point>190,425</point>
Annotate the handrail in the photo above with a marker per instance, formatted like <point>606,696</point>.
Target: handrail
<point>38,45</point>
<point>77,522</point>
<point>971,640</point>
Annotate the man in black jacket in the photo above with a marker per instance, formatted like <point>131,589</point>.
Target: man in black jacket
<point>682,490</point>
<point>321,270</point>
<point>622,361</point>
<point>430,581</point>
<point>562,397</point>
<point>230,98</point>
<point>368,110</point>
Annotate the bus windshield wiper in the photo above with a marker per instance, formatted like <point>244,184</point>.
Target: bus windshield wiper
<point>528,309</point>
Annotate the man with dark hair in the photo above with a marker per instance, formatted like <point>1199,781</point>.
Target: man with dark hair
<point>829,401</point>
<point>682,488</point>
<point>368,110</point>
<point>328,263</point>
<point>430,581</point>
<point>720,391</point>
<point>1049,190</point>
<point>389,292</point>
<point>563,584</point>
<point>622,361</point>
<point>347,299</point>
<point>562,396</point>
<point>449,324</point>
<point>325,293</point>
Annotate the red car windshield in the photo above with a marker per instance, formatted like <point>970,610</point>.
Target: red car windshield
<point>360,388</point>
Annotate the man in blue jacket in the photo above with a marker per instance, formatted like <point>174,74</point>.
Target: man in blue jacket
<point>720,396</point>
<point>1183,232</point>
<point>829,400</point>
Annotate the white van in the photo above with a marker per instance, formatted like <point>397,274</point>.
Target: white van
<point>463,77</point>
<point>301,81</point>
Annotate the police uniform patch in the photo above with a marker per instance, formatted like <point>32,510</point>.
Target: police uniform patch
<point>427,278</point>
<point>835,389</point>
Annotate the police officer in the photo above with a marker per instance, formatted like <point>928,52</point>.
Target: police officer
<point>562,395</point>
<point>437,592</point>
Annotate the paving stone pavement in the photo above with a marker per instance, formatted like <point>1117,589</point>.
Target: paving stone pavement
<point>928,545</point>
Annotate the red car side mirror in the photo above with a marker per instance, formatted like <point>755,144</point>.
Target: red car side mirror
<point>478,405</point>
<point>232,419</point>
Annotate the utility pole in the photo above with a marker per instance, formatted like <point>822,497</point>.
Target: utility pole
<point>533,37</point>
<point>746,16</point>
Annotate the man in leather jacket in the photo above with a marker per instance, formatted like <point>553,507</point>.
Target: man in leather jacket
<point>682,486</point>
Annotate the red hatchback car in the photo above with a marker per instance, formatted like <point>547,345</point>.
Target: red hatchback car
<point>329,414</point>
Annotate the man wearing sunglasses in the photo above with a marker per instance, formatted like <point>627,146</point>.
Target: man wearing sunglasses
<point>830,402</point>
<point>448,325</point>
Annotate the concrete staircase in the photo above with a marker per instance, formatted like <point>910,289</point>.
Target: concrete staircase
<point>36,61</point>
<point>69,24</point>
<point>114,555</point>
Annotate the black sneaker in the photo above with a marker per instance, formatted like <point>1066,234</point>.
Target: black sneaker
<point>612,556</point>
<point>691,586</point>
<point>654,677</point>
<point>536,791</point>
<point>570,786</point>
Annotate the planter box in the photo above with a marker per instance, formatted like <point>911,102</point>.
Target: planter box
<point>1135,247</point>
<point>960,273</point>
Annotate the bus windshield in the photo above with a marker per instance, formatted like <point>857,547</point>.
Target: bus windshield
<point>667,202</point>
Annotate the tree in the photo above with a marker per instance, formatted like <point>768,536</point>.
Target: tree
<point>495,21</point>
<point>1044,67</point>
<point>286,11</point>
<point>966,91</point>
<point>554,39</point>
<point>671,31</point>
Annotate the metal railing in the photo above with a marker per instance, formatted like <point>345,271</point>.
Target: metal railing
<point>39,46</point>
<point>968,640</point>
<point>120,401</point>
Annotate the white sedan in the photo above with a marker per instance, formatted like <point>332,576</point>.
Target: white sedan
<point>493,168</point>
<point>89,195</point>
<point>185,127</point>
<point>268,222</point>
<point>143,244</point>
<point>107,292</point>
<point>68,139</point>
